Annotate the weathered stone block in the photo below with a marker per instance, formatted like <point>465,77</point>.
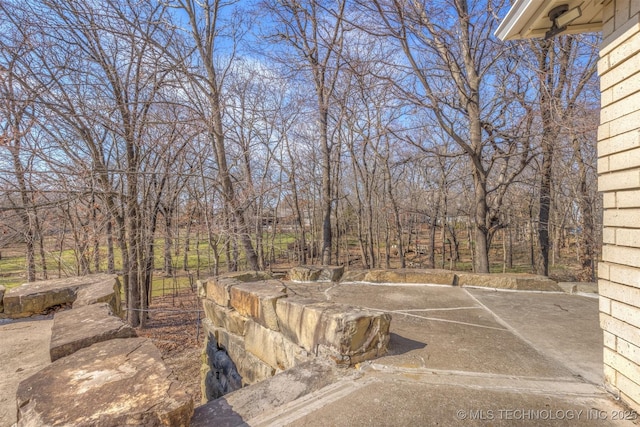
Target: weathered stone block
<point>217,290</point>
<point>307,273</point>
<point>224,317</point>
<point>355,331</point>
<point>81,327</point>
<point>107,291</point>
<point>26,300</point>
<point>273,348</point>
<point>36,297</point>
<point>258,301</point>
<point>118,382</point>
<point>409,275</point>
<point>522,282</point>
<point>299,320</point>
<point>2,289</point>
<point>346,332</point>
<point>250,402</point>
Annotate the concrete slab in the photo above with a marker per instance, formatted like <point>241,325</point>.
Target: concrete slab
<point>392,297</point>
<point>564,327</point>
<point>386,401</point>
<point>461,346</point>
<point>262,398</point>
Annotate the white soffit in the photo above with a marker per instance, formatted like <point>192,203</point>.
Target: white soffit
<point>530,18</point>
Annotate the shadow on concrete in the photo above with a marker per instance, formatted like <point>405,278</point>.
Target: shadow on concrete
<point>400,345</point>
<point>219,410</point>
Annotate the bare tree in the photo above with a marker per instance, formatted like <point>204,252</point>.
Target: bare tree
<point>314,31</point>
<point>563,67</point>
<point>16,122</point>
<point>451,55</point>
<point>206,84</point>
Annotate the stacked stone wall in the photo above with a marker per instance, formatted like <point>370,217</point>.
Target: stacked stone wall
<point>264,329</point>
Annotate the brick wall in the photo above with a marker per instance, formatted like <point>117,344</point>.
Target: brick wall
<point>619,182</point>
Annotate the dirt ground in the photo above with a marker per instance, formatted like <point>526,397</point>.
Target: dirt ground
<point>174,329</point>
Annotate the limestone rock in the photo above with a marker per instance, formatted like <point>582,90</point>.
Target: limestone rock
<point>36,297</point>
<point>118,382</point>
<point>81,327</point>
<point>2,289</point>
<point>299,320</point>
<point>107,290</point>
<point>217,290</point>
<point>410,275</point>
<point>521,282</point>
<point>344,332</point>
<point>273,348</point>
<point>224,317</point>
<point>306,273</point>
<point>258,301</point>
<point>579,287</point>
<point>33,298</point>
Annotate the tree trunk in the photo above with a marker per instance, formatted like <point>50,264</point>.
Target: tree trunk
<point>111,265</point>
<point>542,260</point>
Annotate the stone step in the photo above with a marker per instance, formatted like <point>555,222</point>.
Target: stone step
<point>265,400</point>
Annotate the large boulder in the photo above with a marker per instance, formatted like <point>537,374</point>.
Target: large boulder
<point>107,291</point>
<point>81,327</point>
<point>117,382</point>
<point>36,297</point>
<point>217,288</point>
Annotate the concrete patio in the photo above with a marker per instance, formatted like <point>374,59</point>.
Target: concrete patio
<point>458,356</point>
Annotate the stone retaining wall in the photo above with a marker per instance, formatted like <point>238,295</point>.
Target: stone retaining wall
<point>256,328</point>
<point>513,281</point>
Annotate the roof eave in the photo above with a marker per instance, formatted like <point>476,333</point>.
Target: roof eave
<point>520,13</point>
